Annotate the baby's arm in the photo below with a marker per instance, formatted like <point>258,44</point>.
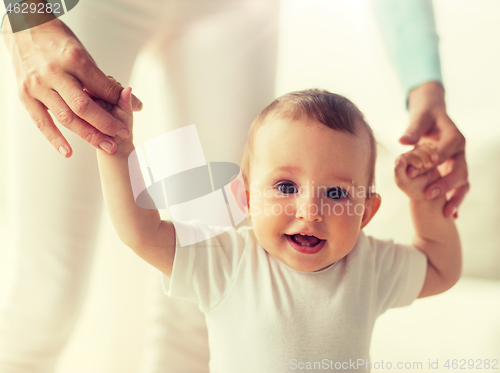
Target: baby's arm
<point>436,236</point>
<point>140,229</point>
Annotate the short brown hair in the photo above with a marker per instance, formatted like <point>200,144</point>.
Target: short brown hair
<point>332,110</point>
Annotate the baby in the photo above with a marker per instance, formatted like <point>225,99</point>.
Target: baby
<point>302,287</point>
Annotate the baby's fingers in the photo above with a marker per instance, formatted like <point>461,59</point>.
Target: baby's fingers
<point>136,103</point>
<point>125,101</point>
<point>400,171</point>
<point>420,157</point>
<point>413,186</point>
<point>420,160</point>
<point>122,116</point>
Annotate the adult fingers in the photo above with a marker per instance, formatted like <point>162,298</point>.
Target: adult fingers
<point>43,121</point>
<point>109,108</point>
<point>68,119</point>
<point>85,108</point>
<point>417,127</point>
<point>433,175</point>
<point>455,178</point>
<point>93,79</point>
<point>104,104</point>
<point>450,140</point>
<point>451,207</point>
<point>136,103</point>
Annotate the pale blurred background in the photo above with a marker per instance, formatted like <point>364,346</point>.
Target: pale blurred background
<point>336,45</point>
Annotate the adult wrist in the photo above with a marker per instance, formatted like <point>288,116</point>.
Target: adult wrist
<point>427,95</point>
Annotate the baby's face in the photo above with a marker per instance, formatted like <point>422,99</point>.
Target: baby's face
<point>308,179</point>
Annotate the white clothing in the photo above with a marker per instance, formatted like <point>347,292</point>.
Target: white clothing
<point>220,59</point>
<point>263,316</point>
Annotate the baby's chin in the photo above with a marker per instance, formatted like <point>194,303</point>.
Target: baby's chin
<point>306,265</point>
<point>314,269</point>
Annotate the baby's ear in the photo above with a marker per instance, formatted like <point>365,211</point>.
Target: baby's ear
<point>372,204</point>
<point>240,194</point>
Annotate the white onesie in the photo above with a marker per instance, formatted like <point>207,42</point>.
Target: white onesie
<point>265,317</point>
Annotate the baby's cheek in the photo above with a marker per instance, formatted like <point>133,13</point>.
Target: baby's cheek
<point>256,203</point>
<point>349,234</point>
<point>348,224</point>
<point>254,208</point>
<point>343,237</point>
<point>346,208</point>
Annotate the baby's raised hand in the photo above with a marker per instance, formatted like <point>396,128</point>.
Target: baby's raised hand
<point>420,159</point>
<point>121,111</point>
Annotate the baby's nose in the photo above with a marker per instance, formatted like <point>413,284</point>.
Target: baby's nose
<point>309,209</point>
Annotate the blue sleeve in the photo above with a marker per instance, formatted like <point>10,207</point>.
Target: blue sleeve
<point>409,32</point>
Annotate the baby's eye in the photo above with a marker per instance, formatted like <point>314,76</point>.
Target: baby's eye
<point>287,188</point>
<point>336,193</point>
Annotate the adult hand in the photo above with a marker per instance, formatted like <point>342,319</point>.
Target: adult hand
<point>430,123</point>
<point>53,71</point>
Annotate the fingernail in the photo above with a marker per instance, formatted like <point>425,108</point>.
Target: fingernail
<point>434,157</point>
<point>409,135</point>
<point>106,146</point>
<point>435,192</point>
<point>63,150</point>
<point>414,172</point>
<point>123,133</point>
<point>454,210</point>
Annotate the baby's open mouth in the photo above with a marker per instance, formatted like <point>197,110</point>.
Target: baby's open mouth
<point>305,240</point>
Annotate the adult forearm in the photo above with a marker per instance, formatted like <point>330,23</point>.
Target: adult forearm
<point>409,34</point>
<point>427,97</point>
